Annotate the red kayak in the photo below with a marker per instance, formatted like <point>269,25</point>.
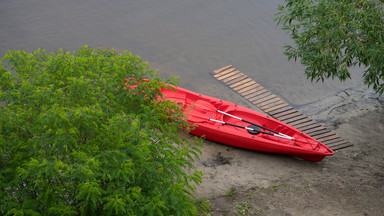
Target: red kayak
<point>231,124</point>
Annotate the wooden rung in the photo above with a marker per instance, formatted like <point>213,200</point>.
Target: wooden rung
<point>329,138</point>
<point>236,80</point>
<point>338,143</point>
<point>329,142</point>
<point>240,82</point>
<point>341,145</point>
<point>298,126</point>
<point>278,111</point>
<point>260,92</point>
<point>276,107</point>
<point>244,85</point>
<point>315,131</point>
<point>227,74</point>
<point>273,104</point>
<point>234,76</point>
<point>291,115</point>
<point>261,100</point>
<point>269,101</point>
<point>222,69</point>
<point>251,91</point>
<point>301,121</point>
<point>328,134</point>
<point>249,88</point>
<point>311,127</point>
<point>337,148</point>
<point>260,96</point>
<point>295,119</point>
<point>287,112</point>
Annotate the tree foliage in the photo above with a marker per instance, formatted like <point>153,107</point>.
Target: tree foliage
<point>331,36</point>
<point>74,141</point>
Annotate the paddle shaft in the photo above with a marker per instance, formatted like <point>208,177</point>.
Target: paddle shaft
<point>253,123</point>
<point>247,128</point>
<point>246,121</point>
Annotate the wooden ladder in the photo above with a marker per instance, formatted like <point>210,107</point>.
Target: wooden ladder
<point>276,107</point>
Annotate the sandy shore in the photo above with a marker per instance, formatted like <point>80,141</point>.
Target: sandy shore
<point>242,182</point>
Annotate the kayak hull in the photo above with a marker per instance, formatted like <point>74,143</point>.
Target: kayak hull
<point>228,123</point>
<point>199,109</point>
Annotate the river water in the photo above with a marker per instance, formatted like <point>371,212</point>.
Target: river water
<point>183,38</point>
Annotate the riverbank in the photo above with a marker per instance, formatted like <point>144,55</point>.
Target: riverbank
<point>238,181</point>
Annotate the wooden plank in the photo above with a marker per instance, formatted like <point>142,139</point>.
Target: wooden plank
<point>302,124</point>
<point>257,94</point>
<point>288,112</point>
<point>328,138</point>
<point>238,79</point>
<point>234,76</point>
<point>260,96</point>
<point>296,119</point>
<point>260,100</point>
<point>222,69</point>
<point>240,83</point>
<point>330,142</point>
<point>273,104</point>
<point>340,145</point>
<point>318,131</point>
<point>327,134</point>
<point>226,74</point>
<point>244,85</point>
<point>298,126</point>
<point>278,111</point>
<point>276,107</point>
<point>297,122</point>
<point>251,91</point>
<point>291,115</point>
<point>310,127</point>
<point>249,88</point>
<point>337,148</point>
<point>306,125</point>
<point>314,130</point>
<point>269,101</point>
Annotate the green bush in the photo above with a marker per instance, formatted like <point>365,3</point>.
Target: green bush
<point>75,141</point>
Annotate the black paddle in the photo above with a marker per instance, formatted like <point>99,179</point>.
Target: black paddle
<point>250,129</point>
<point>281,134</point>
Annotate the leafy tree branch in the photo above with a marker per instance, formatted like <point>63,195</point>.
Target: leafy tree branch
<point>331,36</point>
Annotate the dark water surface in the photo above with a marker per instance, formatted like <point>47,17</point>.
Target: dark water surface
<point>184,38</point>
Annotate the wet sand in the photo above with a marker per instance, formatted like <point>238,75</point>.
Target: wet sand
<point>347,183</point>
